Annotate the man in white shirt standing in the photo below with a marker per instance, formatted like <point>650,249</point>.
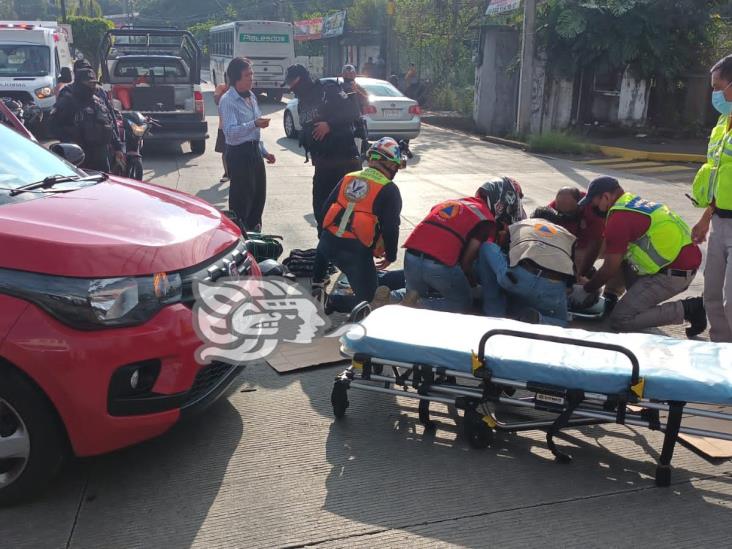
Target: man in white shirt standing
<point>242,122</point>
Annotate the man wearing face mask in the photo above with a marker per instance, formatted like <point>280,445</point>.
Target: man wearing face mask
<point>328,118</point>
<point>582,223</point>
<point>358,96</point>
<point>82,117</point>
<point>712,190</point>
<point>653,248</point>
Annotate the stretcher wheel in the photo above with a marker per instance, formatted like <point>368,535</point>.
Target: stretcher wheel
<point>479,435</point>
<point>339,399</point>
<point>663,476</point>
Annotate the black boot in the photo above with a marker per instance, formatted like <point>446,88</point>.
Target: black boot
<point>695,313</point>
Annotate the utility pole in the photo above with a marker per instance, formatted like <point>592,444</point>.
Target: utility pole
<point>523,120</point>
<point>63,11</point>
<point>390,13</point>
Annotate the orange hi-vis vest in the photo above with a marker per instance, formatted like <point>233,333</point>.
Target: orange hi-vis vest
<point>444,232</point>
<point>352,214</point>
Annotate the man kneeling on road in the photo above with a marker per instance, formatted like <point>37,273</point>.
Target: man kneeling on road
<point>651,247</point>
<point>361,222</point>
<point>441,252</point>
<point>532,285</point>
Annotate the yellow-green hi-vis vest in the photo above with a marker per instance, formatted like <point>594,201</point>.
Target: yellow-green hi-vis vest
<point>663,241</point>
<point>713,181</point>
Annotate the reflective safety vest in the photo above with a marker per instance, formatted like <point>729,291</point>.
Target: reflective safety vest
<point>663,241</point>
<point>713,181</point>
<point>444,232</point>
<point>352,214</point>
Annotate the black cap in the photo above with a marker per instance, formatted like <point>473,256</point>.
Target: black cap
<point>599,186</point>
<point>81,64</point>
<point>294,71</point>
<point>86,75</point>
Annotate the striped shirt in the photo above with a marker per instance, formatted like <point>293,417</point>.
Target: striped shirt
<point>238,116</point>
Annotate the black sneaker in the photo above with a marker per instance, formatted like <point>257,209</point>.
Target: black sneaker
<point>695,313</point>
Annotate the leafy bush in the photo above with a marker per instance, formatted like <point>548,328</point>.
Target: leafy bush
<point>88,32</point>
<point>448,98</point>
<point>558,142</point>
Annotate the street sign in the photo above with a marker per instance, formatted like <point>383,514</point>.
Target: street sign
<point>497,7</point>
<point>308,29</point>
<point>334,24</point>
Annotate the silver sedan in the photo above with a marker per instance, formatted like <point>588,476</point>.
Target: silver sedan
<point>389,114</point>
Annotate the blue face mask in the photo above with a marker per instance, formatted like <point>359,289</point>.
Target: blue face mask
<point>720,102</point>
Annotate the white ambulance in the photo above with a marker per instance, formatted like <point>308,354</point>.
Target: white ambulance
<point>34,58</point>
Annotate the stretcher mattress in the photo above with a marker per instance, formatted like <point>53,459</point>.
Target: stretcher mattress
<point>680,370</point>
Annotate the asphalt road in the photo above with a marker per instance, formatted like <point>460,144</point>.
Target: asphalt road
<point>270,468</point>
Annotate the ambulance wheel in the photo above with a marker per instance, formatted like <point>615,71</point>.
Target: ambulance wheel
<point>339,400</point>
<point>479,435</point>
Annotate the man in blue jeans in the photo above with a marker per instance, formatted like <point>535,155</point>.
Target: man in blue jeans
<point>531,284</point>
<point>443,247</point>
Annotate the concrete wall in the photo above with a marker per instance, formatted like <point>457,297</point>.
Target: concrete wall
<point>496,85</point>
<point>633,100</point>
<point>551,99</point>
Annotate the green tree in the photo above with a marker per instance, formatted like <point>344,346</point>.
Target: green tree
<point>88,32</point>
<point>653,37</point>
<point>31,9</point>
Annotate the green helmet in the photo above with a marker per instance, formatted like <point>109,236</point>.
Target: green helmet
<point>386,149</point>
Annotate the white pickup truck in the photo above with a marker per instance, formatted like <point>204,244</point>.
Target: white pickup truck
<point>158,73</point>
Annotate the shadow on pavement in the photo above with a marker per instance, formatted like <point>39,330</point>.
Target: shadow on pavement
<point>159,493</point>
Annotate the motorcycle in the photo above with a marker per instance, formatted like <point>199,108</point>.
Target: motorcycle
<point>28,114</point>
<point>135,126</point>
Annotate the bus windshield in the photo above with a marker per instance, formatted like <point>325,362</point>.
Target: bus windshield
<point>24,60</point>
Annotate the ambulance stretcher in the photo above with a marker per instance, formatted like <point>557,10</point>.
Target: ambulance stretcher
<point>573,377</point>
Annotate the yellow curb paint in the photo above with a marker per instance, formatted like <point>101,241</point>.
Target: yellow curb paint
<point>636,164</point>
<point>605,161</point>
<point>631,154</point>
<point>668,169</point>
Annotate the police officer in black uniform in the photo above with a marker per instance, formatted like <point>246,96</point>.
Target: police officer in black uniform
<point>328,118</point>
<point>82,117</point>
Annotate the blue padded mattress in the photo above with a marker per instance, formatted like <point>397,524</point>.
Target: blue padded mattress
<point>673,369</point>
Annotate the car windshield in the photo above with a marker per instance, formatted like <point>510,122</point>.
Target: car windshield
<point>382,89</point>
<point>24,60</point>
<point>23,162</point>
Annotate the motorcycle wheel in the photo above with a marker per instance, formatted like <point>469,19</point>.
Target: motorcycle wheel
<point>134,168</point>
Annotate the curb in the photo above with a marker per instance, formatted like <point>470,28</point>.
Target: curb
<point>504,142</point>
<point>632,154</point>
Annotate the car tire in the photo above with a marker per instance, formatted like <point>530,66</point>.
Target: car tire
<point>289,123</point>
<point>198,147</point>
<point>275,95</point>
<point>25,413</point>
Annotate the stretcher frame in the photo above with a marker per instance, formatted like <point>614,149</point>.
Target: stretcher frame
<point>569,407</point>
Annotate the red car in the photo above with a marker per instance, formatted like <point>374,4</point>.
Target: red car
<point>96,334</point>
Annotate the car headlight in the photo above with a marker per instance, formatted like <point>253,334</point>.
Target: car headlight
<point>89,304</point>
<point>42,93</point>
<point>138,129</point>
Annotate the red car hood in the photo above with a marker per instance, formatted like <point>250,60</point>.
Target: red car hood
<point>115,228</point>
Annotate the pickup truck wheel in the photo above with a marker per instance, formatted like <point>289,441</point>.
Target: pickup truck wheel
<point>32,443</point>
<point>275,95</point>
<point>289,123</point>
<point>198,147</point>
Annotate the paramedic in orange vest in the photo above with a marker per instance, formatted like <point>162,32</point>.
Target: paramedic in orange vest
<point>361,222</point>
<point>441,252</point>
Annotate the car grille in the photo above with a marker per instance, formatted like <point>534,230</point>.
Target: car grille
<point>221,266</point>
<point>207,380</point>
